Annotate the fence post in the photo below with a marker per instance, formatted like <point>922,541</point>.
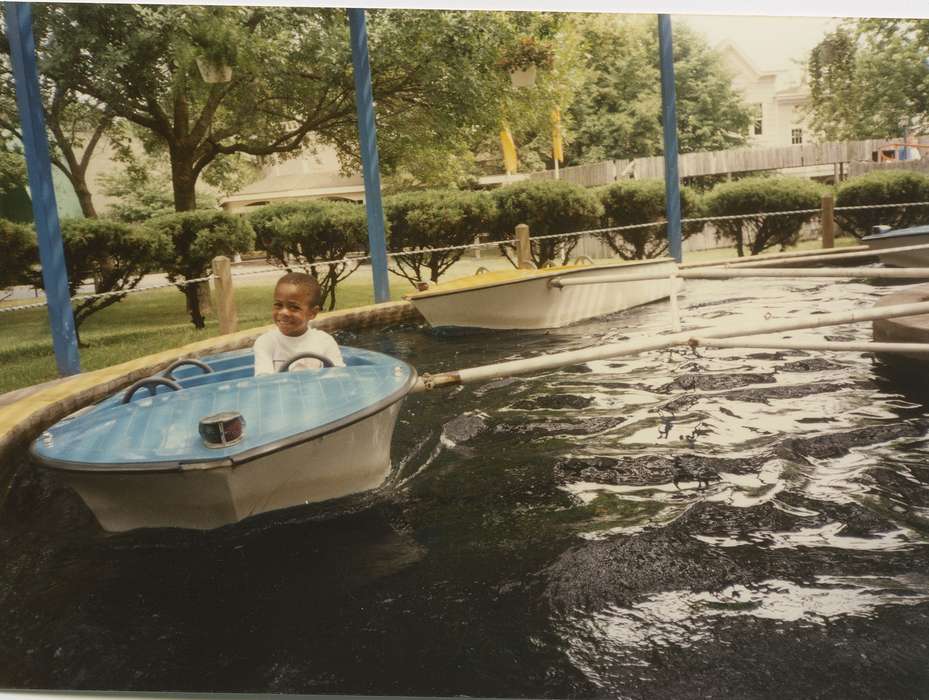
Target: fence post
<point>828,221</point>
<point>523,248</point>
<point>225,298</point>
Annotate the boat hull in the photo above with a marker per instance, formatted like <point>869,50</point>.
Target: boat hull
<point>141,460</point>
<point>533,303</point>
<point>351,459</point>
<point>899,238</point>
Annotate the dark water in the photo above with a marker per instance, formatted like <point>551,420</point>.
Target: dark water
<point>723,524</point>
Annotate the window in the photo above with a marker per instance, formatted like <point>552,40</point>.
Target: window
<point>796,135</point>
<point>757,118</point>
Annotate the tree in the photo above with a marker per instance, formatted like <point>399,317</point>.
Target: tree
<point>266,222</point>
<point>196,238</point>
<point>434,219</point>
<point>628,202</point>
<point>755,198</point>
<point>142,190</point>
<point>116,256</point>
<point>548,207</point>
<point>15,204</point>
<point>617,110</point>
<point>882,187</point>
<point>869,77</point>
<point>20,254</point>
<point>76,124</point>
<point>291,79</point>
<point>12,171</point>
<point>553,42</point>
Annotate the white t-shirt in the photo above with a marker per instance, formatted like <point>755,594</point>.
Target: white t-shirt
<point>273,349</point>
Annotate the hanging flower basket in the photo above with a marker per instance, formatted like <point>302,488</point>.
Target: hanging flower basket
<point>525,59</point>
<point>523,77</point>
<point>213,72</point>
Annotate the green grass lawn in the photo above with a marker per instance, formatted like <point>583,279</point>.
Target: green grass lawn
<point>149,322</point>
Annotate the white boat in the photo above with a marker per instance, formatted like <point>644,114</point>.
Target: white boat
<point>214,444</point>
<point>884,237</point>
<point>526,299</point>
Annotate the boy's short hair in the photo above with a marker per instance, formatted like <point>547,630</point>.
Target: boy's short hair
<point>307,282</point>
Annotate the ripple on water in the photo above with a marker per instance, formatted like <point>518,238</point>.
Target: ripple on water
<point>679,524</point>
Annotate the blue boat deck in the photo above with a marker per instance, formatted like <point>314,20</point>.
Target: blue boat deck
<point>160,431</point>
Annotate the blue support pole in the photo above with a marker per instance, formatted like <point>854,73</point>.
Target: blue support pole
<point>364,102</point>
<point>672,182</point>
<point>44,209</point>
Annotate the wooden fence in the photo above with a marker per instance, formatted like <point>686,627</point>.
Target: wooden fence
<point>721,162</point>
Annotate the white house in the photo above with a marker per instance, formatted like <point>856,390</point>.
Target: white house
<point>776,96</point>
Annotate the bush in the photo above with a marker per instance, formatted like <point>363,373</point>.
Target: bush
<point>263,222</point>
<point>547,207</point>
<point>115,255</point>
<point>887,187</point>
<point>434,219</point>
<point>628,202</point>
<point>308,233</point>
<point>20,254</point>
<point>196,237</point>
<point>758,195</point>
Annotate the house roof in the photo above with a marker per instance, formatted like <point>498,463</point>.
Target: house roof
<point>309,181</point>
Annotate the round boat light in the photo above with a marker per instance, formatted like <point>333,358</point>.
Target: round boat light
<point>222,429</point>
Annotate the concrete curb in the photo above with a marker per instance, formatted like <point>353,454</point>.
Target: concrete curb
<point>26,412</point>
<point>908,329</point>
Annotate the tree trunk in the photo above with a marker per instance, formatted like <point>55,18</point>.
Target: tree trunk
<point>739,246</point>
<point>183,181</point>
<point>193,306</point>
<point>84,197</point>
<point>204,299</point>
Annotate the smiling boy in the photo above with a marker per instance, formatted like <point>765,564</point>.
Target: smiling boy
<point>296,303</point>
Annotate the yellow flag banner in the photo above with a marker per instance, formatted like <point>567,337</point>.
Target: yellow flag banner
<point>557,148</point>
<point>509,150</point>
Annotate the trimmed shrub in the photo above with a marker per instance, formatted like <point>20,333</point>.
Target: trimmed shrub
<point>196,237</point>
<point>761,195</point>
<point>887,187</point>
<point>309,233</point>
<point>20,254</point>
<point>628,202</point>
<point>113,254</point>
<point>434,219</point>
<point>547,207</point>
<point>263,223</point>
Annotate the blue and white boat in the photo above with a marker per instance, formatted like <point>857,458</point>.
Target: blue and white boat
<point>207,443</point>
<point>885,238</point>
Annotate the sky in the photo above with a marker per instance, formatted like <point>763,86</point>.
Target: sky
<point>770,43</point>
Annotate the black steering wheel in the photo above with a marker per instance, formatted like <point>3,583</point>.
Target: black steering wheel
<point>150,383</point>
<point>186,361</point>
<point>312,355</point>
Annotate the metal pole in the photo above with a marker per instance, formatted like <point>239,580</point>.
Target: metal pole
<point>511,368</point>
<point>38,164</point>
<point>364,102</point>
<point>669,121</point>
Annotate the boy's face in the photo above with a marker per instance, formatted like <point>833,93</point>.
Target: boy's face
<point>291,311</point>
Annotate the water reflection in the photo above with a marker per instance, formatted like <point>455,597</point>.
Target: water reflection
<point>676,524</point>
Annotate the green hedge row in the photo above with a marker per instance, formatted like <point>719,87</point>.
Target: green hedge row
<point>307,234</point>
<point>117,255</point>
<point>882,187</point>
